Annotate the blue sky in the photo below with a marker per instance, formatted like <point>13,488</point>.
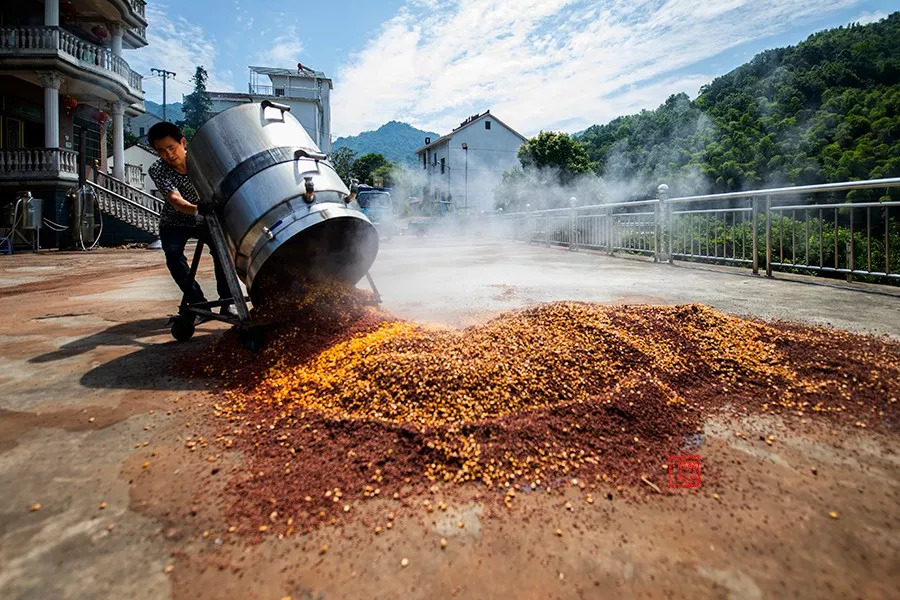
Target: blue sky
<point>537,64</point>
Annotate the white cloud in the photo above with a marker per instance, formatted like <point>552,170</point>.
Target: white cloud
<point>537,63</point>
<point>180,46</point>
<point>283,51</point>
<point>869,17</point>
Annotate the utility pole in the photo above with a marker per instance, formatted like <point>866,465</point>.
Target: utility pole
<point>465,147</point>
<point>165,75</point>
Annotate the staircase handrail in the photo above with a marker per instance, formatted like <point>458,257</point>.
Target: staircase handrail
<point>122,198</point>
<point>154,201</point>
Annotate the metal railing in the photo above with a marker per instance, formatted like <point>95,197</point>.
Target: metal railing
<point>38,163</point>
<point>621,226</point>
<point>127,203</point>
<point>53,41</point>
<point>813,228</point>
<point>303,93</point>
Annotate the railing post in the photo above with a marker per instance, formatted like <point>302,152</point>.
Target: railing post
<point>663,248</point>
<point>852,247</point>
<point>573,243</point>
<point>547,229</point>
<point>768,236</point>
<point>657,232</point>
<point>754,203</point>
<point>609,232</point>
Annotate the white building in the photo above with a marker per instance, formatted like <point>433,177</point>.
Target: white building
<point>464,166</point>
<point>306,91</point>
<point>138,158</point>
<point>141,124</point>
<point>64,81</point>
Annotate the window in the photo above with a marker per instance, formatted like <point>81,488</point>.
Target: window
<point>91,132</point>
<point>433,159</point>
<point>424,161</point>
<point>141,132</point>
<point>15,134</point>
<point>442,166</point>
<point>279,91</point>
<point>487,124</point>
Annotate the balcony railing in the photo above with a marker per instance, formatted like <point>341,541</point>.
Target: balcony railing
<point>38,163</point>
<point>42,41</point>
<point>138,6</point>
<point>134,175</point>
<point>304,93</point>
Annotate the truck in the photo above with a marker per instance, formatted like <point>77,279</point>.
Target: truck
<point>376,203</point>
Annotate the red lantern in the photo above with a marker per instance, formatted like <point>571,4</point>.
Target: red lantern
<point>102,117</point>
<point>100,31</point>
<point>70,103</point>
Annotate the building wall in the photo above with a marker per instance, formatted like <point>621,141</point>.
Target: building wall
<point>145,122</point>
<point>470,176</point>
<point>136,155</point>
<point>491,152</point>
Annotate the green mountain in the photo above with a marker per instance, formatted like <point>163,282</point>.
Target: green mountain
<point>827,109</point>
<point>173,110</point>
<point>396,141</point>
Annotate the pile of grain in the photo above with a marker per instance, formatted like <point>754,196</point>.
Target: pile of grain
<point>346,402</point>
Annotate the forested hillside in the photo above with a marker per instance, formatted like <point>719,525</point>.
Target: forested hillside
<point>394,140</point>
<point>827,109</point>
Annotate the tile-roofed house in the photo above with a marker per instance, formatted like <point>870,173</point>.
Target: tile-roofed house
<point>464,166</point>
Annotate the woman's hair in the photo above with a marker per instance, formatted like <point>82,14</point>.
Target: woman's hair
<point>163,130</point>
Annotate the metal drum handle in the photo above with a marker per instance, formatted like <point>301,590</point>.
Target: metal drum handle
<point>308,153</point>
<point>268,103</point>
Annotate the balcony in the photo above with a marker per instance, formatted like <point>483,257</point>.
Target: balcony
<point>138,7</point>
<point>301,93</point>
<point>25,45</point>
<point>38,164</point>
<point>136,37</point>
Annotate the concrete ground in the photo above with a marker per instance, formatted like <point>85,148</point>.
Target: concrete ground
<point>92,425</point>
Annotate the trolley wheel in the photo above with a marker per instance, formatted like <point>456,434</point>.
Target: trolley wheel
<point>183,328</point>
<point>252,339</point>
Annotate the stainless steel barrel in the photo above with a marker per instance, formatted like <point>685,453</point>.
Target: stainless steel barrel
<point>32,218</point>
<point>281,204</point>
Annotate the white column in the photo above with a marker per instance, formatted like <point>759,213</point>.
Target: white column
<point>116,31</point>
<point>51,13</point>
<point>51,83</point>
<point>118,115</point>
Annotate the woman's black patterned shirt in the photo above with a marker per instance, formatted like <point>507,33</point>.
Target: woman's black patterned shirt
<point>167,179</point>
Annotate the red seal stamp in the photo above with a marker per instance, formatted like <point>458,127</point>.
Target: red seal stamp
<point>684,471</point>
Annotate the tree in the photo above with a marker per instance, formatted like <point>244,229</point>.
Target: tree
<point>342,161</point>
<point>827,109</point>
<point>556,151</point>
<point>383,176</point>
<point>515,192</point>
<point>364,166</point>
<point>197,106</point>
